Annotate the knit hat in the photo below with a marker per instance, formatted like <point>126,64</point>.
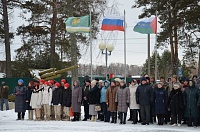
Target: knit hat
<point>63,80</point>
<point>100,81</point>
<point>160,83</point>
<point>20,81</point>
<point>57,84</point>
<point>177,85</point>
<point>118,80</point>
<point>51,81</point>
<point>46,83</point>
<point>66,85</point>
<point>94,82</point>
<point>42,81</point>
<point>123,81</point>
<point>143,79</point>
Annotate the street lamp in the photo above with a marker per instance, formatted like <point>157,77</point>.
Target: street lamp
<point>108,49</point>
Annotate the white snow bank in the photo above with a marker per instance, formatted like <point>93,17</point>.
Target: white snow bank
<point>8,123</point>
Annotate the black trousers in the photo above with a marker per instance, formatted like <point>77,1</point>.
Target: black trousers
<point>86,109</point>
<point>21,115</point>
<point>145,113</point>
<point>122,117</point>
<point>176,114</point>
<point>160,118</point>
<point>134,115</point>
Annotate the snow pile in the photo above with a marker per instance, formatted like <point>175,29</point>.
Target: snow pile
<point>8,123</point>
<point>2,75</point>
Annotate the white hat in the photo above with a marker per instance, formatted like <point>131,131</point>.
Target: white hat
<point>117,80</point>
<point>94,82</point>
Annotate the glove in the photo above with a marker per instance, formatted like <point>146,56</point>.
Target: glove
<point>59,104</point>
<point>128,104</point>
<point>18,93</point>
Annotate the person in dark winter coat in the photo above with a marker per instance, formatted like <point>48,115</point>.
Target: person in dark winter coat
<point>94,99</point>
<point>56,101</point>
<point>86,89</point>
<point>76,100</point>
<point>192,104</point>
<point>160,103</point>
<point>4,91</point>
<point>110,101</point>
<point>20,97</point>
<point>144,97</point>
<point>176,104</point>
<point>123,100</point>
<point>66,101</point>
<point>29,91</point>
<point>103,91</point>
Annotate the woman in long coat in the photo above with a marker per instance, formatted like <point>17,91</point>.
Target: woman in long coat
<point>110,101</point>
<point>20,96</point>
<point>29,91</point>
<point>94,99</point>
<point>76,100</point>
<point>123,100</point>
<point>192,103</point>
<point>160,103</point>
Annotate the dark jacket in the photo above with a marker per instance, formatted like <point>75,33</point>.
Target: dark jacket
<point>86,90</point>
<point>160,101</point>
<point>94,96</point>
<point>67,97</point>
<point>144,94</point>
<point>57,96</point>
<point>192,102</point>
<point>20,97</point>
<point>29,91</point>
<point>4,92</point>
<point>175,101</point>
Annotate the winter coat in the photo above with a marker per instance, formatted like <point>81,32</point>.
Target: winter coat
<point>56,96</point>
<point>67,97</point>
<point>94,96</point>
<point>144,94</point>
<point>110,98</point>
<point>36,99</point>
<point>29,91</point>
<point>123,99</point>
<point>20,97</point>
<point>76,98</point>
<point>192,102</point>
<point>103,92</point>
<point>133,104</point>
<point>160,101</point>
<point>47,95</point>
<point>175,101</point>
<point>4,92</point>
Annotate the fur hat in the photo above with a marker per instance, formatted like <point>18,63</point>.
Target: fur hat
<point>117,80</point>
<point>176,85</point>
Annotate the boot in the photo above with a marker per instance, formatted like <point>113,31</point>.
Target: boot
<point>75,116</point>
<point>161,121</point>
<point>95,118</point>
<point>112,116</point>
<point>131,115</point>
<point>120,117</point>
<point>115,117</point>
<point>92,118</point>
<point>124,118</point>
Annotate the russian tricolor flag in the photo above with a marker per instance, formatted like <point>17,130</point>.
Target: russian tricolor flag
<point>113,23</point>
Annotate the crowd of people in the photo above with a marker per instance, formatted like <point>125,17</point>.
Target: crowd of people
<point>173,102</point>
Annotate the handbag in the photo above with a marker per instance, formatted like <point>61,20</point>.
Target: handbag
<point>97,108</point>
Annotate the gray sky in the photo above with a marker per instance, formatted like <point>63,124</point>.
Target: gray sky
<point>136,43</point>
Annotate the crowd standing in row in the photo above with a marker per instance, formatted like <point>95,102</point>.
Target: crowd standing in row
<point>169,101</point>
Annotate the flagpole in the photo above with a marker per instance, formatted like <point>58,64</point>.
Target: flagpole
<point>148,36</point>
<point>155,48</point>
<point>125,45</point>
<point>90,44</point>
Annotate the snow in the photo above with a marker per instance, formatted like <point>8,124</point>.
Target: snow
<point>2,75</point>
<point>8,123</point>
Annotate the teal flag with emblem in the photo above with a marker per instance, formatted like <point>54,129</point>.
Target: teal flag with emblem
<point>78,24</point>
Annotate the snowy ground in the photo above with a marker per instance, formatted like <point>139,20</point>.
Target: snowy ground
<point>8,123</point>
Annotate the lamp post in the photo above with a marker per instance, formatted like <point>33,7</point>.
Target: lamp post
<point>108,49</point>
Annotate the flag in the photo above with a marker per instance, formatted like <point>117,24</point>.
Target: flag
<point>78,24</point>
<point>113,23</point>
<point>146,26</point>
